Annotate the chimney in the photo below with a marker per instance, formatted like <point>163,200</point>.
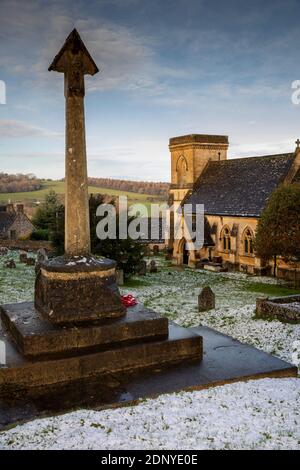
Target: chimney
<point>20,208</point>
<point>10,208</point>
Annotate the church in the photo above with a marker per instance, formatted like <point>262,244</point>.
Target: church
<point>234,193</point>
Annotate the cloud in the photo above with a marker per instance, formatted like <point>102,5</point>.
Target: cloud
<point>129,60</point>
<point>261,148</point>
<point>11,129</point>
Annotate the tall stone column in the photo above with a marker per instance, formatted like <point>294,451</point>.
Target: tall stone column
<point>74,61</point>
<point>76,287</point>
<point>77,227</point>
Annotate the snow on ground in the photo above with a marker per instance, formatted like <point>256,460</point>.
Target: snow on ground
<point>260,414</point>
<point>175,294</point>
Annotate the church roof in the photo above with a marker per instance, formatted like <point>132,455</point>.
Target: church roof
<point>241,186</point>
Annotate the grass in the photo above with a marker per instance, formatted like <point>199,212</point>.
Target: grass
<point>270,289</point>
<point>59,188</point>
<point>133,282</point>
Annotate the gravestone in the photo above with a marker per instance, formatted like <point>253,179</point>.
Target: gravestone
<point>206,299</point>
<point>153,267</point>
<point>10,264</point>
<point>23,257</point>
<point>142,268</point>
<point>30,261</point>
<point>41,258</point>
<point>3,250</point>
<point>155,249</point>
<point>120,277</point>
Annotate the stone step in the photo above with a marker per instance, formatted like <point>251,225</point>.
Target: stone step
<point>36,337</point>
<point>20,373</point>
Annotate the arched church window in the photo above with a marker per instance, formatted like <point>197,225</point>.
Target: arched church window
<point>226,239</point>
<point>248,242</point>
<point>182,169</point>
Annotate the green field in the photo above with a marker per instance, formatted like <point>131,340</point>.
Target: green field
<point>32,197</point>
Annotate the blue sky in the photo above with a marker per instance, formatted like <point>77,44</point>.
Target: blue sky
<point>167,68</point>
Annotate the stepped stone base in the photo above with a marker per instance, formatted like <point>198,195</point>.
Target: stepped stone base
<point>36,337</point>
<point>69,365</point>
<point>225,360</point>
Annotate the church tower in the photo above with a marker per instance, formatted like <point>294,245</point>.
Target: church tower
<point>189,156</point>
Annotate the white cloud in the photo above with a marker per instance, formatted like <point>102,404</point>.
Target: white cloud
<point>261,148</point>
<point>12,129</point>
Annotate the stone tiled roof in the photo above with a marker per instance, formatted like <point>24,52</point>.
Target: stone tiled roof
<point>240,187</point>
<point>6,220</point>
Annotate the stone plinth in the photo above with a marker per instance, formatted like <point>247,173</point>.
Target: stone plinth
<point>36,337</point>
<point>225,361</point>
<point>77,290</point>
<point>21,374</point>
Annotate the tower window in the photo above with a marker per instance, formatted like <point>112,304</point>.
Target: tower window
<point>182,169</point>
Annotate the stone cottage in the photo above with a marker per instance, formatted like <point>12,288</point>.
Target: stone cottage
<point>14,223</point>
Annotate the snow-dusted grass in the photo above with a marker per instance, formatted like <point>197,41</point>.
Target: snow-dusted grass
<point>175,294</point>
<point>16,285</point>
<point>260,414</point>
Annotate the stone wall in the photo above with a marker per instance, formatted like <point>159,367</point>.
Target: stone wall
<point>278,308</point>
<point>26,245</point>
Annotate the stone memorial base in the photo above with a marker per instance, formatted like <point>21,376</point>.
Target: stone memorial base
<point>225,360</point>
<point>42,354</point>
<point>81,288</point>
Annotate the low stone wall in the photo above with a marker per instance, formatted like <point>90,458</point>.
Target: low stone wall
<point>279,308</point>
<point>290,275</point>
<point>26,245</point>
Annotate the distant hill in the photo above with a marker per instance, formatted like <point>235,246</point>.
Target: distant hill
<point>19,183</point>
<point>32,198</point>
<point>141,187</point>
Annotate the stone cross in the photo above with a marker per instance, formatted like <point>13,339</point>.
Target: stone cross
<point>74,61</point>
<point>297,143</point>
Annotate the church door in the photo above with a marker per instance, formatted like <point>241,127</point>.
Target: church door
<point>185,255</point>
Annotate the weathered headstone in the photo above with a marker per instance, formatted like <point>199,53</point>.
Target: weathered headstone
<point>142,268</point>
<point>153,267</point>
<point>30,261</point>
<point>155,249</point>
<point>120,277</point>
<point>42,255</point>
<point>10,263</point>
<point>206,299</point>
<point>23,257</point>
<point>41,258</point>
